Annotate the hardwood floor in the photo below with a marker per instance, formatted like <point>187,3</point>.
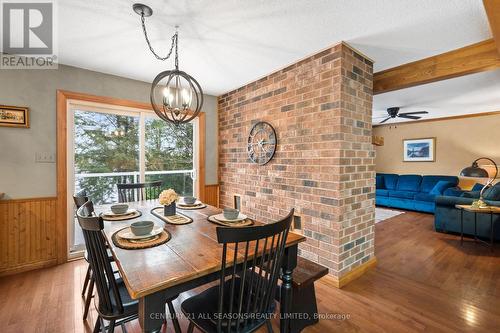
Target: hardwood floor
<point>424,281</point>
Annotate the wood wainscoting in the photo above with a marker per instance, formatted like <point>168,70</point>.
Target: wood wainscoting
<point>27,234</point>
<point>212,195</point>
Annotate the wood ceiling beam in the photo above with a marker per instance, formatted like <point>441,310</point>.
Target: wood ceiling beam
<point>492,8</point>
<point>475,58</point>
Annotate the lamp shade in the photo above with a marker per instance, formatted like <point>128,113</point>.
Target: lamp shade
<point>474,171</point>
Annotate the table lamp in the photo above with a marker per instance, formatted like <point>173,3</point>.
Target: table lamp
<point>475,171</point>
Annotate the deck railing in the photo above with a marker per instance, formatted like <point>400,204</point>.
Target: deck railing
<point>101,187</point>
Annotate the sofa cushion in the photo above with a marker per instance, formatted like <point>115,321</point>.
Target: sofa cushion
<point>396,202</point>
<point>493,193</point>
<point>382,192</point>
<point>402,194</point>
<point>425,197</point>
<point>379,181</point>
<point>425,206</point>
<point>409,183</point>
<point>452,201</point>
<point>440,186</point>
<point>428,182</point>
<point>390,180</point>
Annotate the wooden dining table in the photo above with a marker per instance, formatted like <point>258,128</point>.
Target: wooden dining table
<point>191,258</point>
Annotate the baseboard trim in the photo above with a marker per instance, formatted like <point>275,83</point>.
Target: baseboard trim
<point>28,267</point>
<point>352,275</point>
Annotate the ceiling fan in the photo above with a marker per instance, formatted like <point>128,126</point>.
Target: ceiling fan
<point>394,113</point>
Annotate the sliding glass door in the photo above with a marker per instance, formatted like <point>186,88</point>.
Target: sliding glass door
<point>108,145</point>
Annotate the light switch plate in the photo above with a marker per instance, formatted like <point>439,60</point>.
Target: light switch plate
<point>45,157</point>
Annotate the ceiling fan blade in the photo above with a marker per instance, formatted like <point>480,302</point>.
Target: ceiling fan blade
<point>416,112</point>
<point>383,121</point>
<point>408,117</point>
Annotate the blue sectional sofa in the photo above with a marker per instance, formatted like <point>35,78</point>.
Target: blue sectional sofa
<point>413,192</point>
<point>447,216</point>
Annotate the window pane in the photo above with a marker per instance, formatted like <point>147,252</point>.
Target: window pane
<point>169,154</point>
<point>106,153</point>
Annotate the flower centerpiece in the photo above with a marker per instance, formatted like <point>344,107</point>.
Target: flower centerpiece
<point>168,198</point>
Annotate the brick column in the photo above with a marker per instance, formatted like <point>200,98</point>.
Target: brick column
<point>324,163</point>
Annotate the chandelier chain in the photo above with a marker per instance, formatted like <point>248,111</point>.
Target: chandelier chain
<point>174,44</point>
<point>175,96</point>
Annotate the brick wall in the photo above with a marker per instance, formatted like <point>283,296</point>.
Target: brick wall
<point>324,162</point>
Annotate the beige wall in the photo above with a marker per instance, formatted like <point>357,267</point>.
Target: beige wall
<point>20,176</point>
<point>458,143</point>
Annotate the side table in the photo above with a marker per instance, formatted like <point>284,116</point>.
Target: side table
<point>492,210</point>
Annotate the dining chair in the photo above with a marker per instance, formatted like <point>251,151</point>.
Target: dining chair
<point>244,299</point>
<point>114,301</point>
<point>128,192</point>
<point>81,198</point>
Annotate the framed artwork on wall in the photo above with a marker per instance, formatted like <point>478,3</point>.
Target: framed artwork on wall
<point>419,150</point>
<point>14,116</point>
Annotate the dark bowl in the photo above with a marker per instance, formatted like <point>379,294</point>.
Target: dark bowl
<point>142,227</point>
<point>231,213</point>
<point>119,208</point>
<point>189,200</point>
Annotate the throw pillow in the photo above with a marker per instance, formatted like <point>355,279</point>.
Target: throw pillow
<point>440,186</point>
<point>453,192</point>
<point>477,187</point>
<point>493,193</point>
<point>471,194</point>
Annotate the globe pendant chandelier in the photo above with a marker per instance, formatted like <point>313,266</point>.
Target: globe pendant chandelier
<point>175,95</point>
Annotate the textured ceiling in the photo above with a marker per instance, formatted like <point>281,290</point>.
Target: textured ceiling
<point>474,93</point>
<point>227,43</point>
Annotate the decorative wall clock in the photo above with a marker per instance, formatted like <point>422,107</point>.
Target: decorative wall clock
<point>262,143</point>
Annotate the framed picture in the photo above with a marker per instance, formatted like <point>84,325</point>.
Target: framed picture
<point>419,150</point>
<point>14,116</point>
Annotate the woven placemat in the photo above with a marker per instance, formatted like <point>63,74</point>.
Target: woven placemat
<point>135,245</point>
<point>176,219</point>
<point>121,217</point>
<point>244,223</point>
<point>198,206</point>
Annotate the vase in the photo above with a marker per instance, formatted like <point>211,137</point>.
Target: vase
<point>169,210</point>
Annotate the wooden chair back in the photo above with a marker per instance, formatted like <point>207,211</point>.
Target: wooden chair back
<point>139,191</point>
<point>80,198</point>
<point>110,301</point>
<point>249,292</point>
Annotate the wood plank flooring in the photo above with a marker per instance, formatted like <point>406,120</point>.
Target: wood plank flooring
<point>424,281</point>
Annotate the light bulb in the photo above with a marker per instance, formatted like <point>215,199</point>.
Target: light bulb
<point>168,95</point>
<point>186,97</point>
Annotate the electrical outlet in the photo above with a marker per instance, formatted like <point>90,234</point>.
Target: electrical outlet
<point>45,157</point>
